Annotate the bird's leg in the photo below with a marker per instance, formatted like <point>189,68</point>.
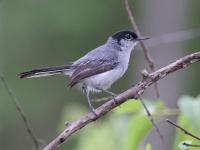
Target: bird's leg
<point>111,93</point>
<point>88,99</point>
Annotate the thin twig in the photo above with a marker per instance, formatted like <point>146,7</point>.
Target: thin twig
<point>102,99</point>
<point>22,113</point>
<point>146,51</point>
<point>185,131</point>
<point>174,37</point>
<point>153,122</point>
<point>191,145</point>
<point>130,93</point>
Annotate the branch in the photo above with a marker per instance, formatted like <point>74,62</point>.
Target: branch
<point>146,51</point>
<point>174,37</point>
<point>154,124</point>
<point>102,99</point>
<point>22,114</point>
<point>138,89</point>
<point>185,131</point>
<point>191,145</point>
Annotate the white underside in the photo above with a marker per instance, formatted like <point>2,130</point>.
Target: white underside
<point>101,81</point>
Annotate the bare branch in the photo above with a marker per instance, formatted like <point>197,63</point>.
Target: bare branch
<point>191,145</point>
<point>154,124</point>
<point>102,99</point>
<point>185,131</point>
<point>130,93</point>
<point>135,27</point>
<point>22,114</point>
<point>174,37</point>
<point>146,51</point>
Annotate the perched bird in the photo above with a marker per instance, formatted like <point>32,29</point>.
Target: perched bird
<point>98,69</point>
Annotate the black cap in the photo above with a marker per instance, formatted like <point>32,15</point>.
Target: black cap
<point>121,34</point>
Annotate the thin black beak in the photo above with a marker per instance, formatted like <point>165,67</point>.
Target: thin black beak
<point>142,38</point>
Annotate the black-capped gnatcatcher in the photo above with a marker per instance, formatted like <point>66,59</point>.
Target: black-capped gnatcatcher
<point>98,69</point>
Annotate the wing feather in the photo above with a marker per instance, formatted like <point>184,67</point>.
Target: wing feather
<point>91,68</point>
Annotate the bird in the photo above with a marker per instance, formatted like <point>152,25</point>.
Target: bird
<point>98,69</point>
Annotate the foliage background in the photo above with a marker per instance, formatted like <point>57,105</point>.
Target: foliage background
<point>35,34</point>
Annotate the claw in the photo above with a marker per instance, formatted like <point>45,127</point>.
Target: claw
<point>93,111</point>
<point>114,96</point>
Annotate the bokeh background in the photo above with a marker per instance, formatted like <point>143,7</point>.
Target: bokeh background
<point>35,34</point>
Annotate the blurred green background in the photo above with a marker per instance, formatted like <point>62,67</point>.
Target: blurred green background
<point>42,33</point>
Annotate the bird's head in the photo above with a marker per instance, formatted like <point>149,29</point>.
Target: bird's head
<point>127,39</point>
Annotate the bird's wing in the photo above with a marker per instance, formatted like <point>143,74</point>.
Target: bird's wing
<point>91,68</point>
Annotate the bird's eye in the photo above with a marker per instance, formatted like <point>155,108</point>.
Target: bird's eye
<point>128,37</point>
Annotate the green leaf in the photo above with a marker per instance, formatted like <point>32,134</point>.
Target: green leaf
<point>69,115</point>
<point>129,106</point>
<point>190,107</point>
<point>148,147</point>
<point>180,135</point>
<point>160,105</point>
<point>138,128</point>
<point>136,106</point>
<point>98,136</point>
<point>153,107</point>
<point>183,147</point>
<point>185,120</point>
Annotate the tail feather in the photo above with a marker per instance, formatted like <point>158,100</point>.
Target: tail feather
<point>44,72</point>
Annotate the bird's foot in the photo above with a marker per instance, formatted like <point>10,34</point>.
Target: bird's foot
<point>93,111</point>
<point>114,98</point>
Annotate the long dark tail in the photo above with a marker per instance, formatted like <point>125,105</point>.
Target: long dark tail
<point>44,72</point>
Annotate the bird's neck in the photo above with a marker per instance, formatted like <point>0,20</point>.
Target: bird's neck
<point>113,44</point>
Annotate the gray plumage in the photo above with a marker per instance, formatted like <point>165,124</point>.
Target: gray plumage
<point>98,69</point>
